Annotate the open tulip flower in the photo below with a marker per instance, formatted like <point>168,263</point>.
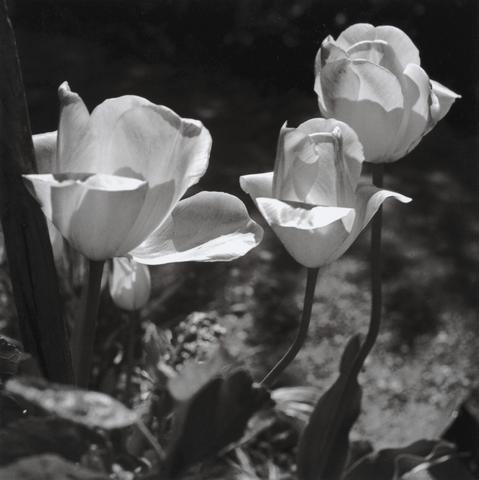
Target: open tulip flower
<point>313,200</point>
<point>111,182</point>
<point>371,78</point>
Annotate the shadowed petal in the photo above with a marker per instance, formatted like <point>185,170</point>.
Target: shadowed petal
<point>207,227</point>
<point>416,117</point>
<point>45,146</point>
<point>129,284</point>
<point>93,212</point>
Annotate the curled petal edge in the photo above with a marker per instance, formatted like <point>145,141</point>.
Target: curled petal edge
<point>207,227</point>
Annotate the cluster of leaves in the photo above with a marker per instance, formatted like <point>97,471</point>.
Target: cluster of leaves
<point>207,409</point>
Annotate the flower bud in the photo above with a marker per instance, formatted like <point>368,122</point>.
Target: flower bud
<point>130,284</point>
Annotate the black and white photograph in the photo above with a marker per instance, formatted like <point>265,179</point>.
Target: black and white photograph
<point>239,240</point>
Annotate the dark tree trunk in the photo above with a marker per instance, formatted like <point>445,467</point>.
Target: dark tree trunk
<point>32,269</point>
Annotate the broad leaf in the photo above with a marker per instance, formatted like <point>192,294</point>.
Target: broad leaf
<point>394,463</point>
<point>324,444</point>
<point>47,467</point>
<point>34,436</point>
<point>212,418</point>
<point>93,409</point>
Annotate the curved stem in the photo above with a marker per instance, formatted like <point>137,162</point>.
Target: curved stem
<point>151,440</point>
<point>289,356</point>
<point>376,270</point>
<point>83,335</point>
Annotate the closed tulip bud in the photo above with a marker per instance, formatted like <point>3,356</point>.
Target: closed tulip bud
<point>313,200</point>
<point>130,284</point>
<point>371,78</point>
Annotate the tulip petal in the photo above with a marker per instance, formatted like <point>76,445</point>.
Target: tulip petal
<point>299,215</point>
<point>361,80</point>
<point>368,200</point>
<point>369,99</point>
<point>378,52</point>
<point>207,227</point>
<point>356,33</point>
<point>258,184</point>
<point>444,98</point>
<point>45,146</point>
<point>310,234</point>
<point>154,143</point>
<point>329,52</point>
<point>129,284</point>
<point>416,117</point>
<point>404,48</point>
<point>93,212</point>
<point>74,119</point>
<point>352,148</point>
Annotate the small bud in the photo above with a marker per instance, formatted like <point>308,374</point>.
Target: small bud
<point>130,284</point>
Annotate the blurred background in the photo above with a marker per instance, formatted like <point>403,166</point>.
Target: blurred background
<point>244,67</point>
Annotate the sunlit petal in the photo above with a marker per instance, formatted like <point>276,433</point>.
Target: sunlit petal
<point>356,33</point>
<point>206,227</point>
<point>258,184</point>
<point>72,155</point>
<point>154,143</point>
<point>403,46</point>
<point>93,212</point>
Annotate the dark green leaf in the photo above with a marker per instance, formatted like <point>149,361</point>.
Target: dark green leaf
<point>324,444</point>
<point>393,463</point>
<point>47,467</point>
<point>92,409</point>
<point>212,418</point>
<point>34,436</point>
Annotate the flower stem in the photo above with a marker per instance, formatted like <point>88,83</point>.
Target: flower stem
<point>288,357</point>
<point>376,269</point>
<point>83,335</point>
<point>151,440</point>
<point>133,321</point>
